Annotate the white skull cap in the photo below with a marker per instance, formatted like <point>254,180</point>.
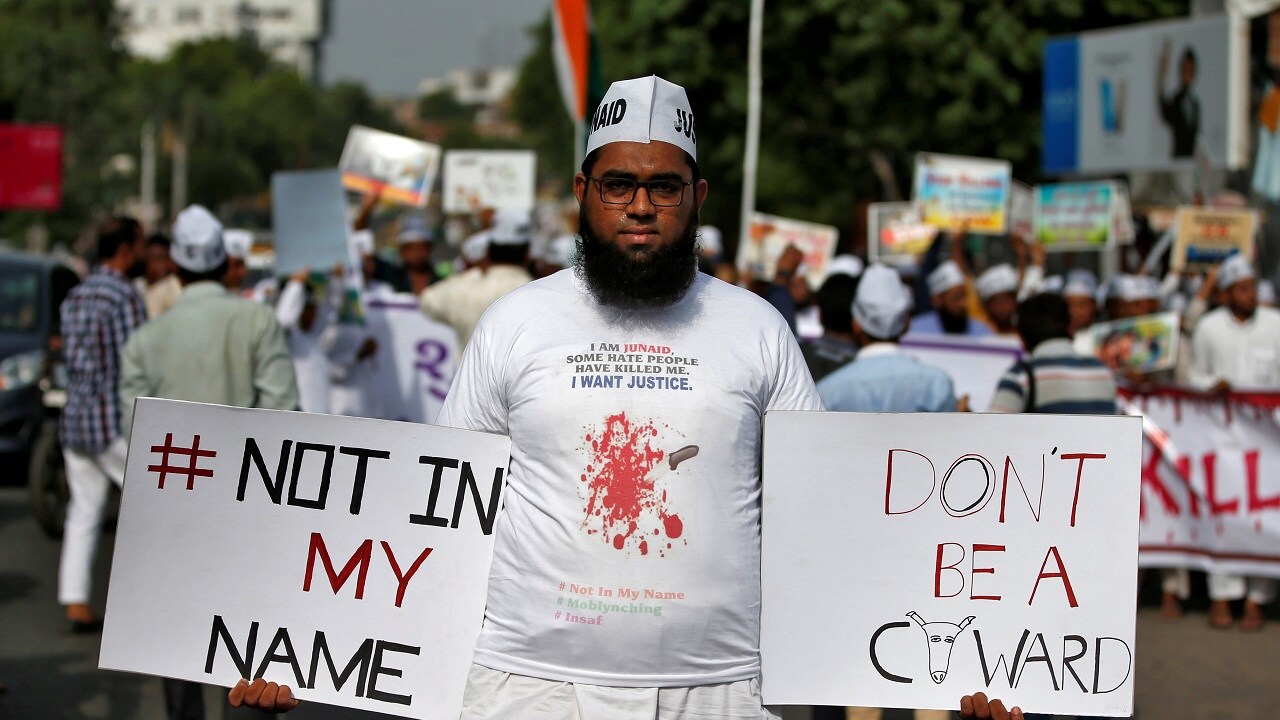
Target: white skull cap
<point>944,277</point>
<point>643,110</point>
<point>237,242</point>
<point>850,265</point>
<point>882,303</point>
<point>1233,270</point>
<point>997,279</point>
<point>197,240</point>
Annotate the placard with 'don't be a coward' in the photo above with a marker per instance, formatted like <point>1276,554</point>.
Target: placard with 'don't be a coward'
<point>910,559</point>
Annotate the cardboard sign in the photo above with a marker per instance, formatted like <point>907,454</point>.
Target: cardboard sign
<point>475,179</point>
<point>30,167</point>
<point>403,170</point>
<point>345,557</point>
<point>309,215</point>
<point>974,364</point>
<point>770,235</point>
<point>1143,344</point>
<point>420,357</point>
<point>1207,236</point>
<point>909,559</point>
<point>1210,480</point>
<point>951,191</point>
<point>896,233</point>
<point>1075,216</point>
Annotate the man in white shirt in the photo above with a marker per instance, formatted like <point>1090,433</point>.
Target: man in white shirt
<point>625,580</point>
<point>1237,346</point>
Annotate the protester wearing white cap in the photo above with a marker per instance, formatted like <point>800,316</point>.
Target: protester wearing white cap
<point>414,240</point>
<point>998,289</point>
<point>634,293</point>
<point>210,347</point>
<point>949,294</point>
<point>1079,290</point>
<point>237,243</point>
<point>882,378</point>
<point>355,386</point>
<point>1237,346</point>
<point>460,300</point>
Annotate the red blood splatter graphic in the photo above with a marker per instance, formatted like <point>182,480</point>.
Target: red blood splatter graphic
<point>622,503</point>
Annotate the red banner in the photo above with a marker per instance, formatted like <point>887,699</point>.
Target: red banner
<point>30,167</point>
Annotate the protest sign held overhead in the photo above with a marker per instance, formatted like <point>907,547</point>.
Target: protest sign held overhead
<point>770,235</point>
<point>345,557</point>
<point>1144,344</point>
<point>475,179</point>
<point>309,214</point>
<point>1002,550</point>
<point>1210,480</point>
<point>1207,236</point>
<point>421,356</point>
<point>399,169</point>
<point>896,233</point>
<point>1075,216</point>
<point>953,191</point>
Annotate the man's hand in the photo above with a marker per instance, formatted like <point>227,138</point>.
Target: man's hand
<point>367,349</point>
<point>262,695</point>
<point>788,263</point>
<point>1220,387</point>
<point>302,275</point>
<point>976,707</point>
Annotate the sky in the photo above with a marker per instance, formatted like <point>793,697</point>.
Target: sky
<point>391,45</point>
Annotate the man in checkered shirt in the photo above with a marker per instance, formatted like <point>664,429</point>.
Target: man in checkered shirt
<point>97,318</point>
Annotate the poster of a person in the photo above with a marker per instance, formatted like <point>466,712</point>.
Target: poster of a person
<point>399,169</point>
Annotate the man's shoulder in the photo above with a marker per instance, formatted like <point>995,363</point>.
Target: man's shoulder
<point>734,299</point>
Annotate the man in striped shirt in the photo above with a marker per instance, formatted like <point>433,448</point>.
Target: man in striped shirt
<point>97,318</point>
<point>1055,379</point>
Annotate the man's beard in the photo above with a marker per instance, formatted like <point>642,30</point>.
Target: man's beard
<point>619,280</point>
<point>953,324</point>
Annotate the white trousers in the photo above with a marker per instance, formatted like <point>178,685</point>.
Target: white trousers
<point>1233,587</point>
<point>496,695</point>
<point>89,477</point>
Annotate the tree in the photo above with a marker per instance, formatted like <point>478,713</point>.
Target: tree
<point>842,78</point>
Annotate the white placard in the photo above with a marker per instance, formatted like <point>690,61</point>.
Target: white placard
<point>309,217</point>
<point>396,168</point>
<point>475,179</point>
<point>345,557</point>
<point>974,364</point>
<point>910,559</point>
<point>1022,211</point>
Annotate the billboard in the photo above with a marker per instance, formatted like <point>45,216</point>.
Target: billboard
<point>1150,96</point>
<point>30,167</point>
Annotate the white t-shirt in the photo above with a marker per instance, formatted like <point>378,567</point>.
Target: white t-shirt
<point>628,553</point>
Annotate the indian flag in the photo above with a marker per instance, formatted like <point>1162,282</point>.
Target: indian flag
<point>574,54</point>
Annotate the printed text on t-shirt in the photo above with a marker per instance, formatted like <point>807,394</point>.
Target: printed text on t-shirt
<point>638,366</point>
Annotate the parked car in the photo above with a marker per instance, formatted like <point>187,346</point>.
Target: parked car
<point>32,289</point>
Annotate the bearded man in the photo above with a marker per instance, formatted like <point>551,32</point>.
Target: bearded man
<point>625,580</point>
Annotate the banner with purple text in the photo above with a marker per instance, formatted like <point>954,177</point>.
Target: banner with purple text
<point>1210,480</point>
<point>345,557</point>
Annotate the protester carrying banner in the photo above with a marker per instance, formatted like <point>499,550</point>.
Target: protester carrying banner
<point>461,299</point>
<point>1237,347</point>
<point>882,378</point>
<point>98,317</point>
<point>998,288</point>
<point>355,353</point>
<point>308,311</point>
<point>949,293</point>
<point>1056,379</point>
<point>209,347</point>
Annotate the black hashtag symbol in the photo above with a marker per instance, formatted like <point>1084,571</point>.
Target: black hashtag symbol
<point>191,471</point>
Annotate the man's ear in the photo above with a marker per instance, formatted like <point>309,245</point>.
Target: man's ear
<point>580,187</point>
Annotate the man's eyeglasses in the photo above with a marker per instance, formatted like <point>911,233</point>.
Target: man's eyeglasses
<point>621,191</point>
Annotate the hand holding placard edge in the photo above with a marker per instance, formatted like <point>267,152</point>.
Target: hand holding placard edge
<point>977,707</point>
<point>263,695</point>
